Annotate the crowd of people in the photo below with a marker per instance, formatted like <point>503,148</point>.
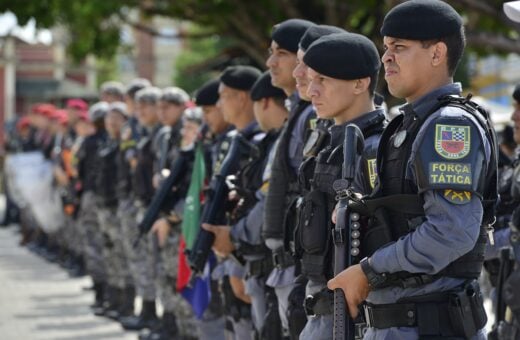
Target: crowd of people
<point>253,162</point>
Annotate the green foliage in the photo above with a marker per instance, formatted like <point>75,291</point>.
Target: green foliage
<point>107,70</point>
<point>192,64</point>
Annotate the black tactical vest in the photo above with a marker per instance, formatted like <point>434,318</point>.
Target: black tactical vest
<point>313,237</point>
<point>402,210</point>
<point>283,185</point>
<point>106,181</point>
<point>143,173</point>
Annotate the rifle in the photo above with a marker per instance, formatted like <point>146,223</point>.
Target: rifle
<point>346,232</point>
<point>214,211</point>
<point>176,175</point>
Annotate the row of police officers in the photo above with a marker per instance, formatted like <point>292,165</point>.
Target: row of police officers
<point>424,196</point>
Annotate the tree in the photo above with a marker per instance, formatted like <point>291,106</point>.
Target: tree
<point>94,25</point>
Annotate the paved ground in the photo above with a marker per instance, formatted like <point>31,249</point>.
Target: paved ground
<point>38,301</point>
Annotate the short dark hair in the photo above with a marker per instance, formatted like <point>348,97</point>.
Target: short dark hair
<point>373,84</point>
<point>455,44</point>
<point>280,101</point>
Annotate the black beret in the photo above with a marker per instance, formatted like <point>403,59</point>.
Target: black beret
<point>288,33</point>
<point>421,20</point>
<point>343,56</point>
<point>264,89</point>
<point>207,95</point>
<point>516,93</point>
<point>315,32</point>
<point>240,77</point>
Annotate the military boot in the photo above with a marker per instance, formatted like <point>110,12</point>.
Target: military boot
<point>112,311</point>
<point>98,288</point>
<point>126,308</point>
<point>110,301</point>
<point>168,329</point>
<point>146,319</point>
<point>99,298</point>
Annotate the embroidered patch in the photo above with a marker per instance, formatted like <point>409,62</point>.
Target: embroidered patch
<point>265,187</point>
<point>312,123</point>
<point>452,141</point>
<point>450,173</point>
<point>372,171</point>
<point>457,197</point>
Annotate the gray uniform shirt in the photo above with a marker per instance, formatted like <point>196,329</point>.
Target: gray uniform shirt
<point>449,231</point>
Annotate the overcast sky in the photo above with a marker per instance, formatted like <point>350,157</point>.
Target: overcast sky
<point>8,23</point>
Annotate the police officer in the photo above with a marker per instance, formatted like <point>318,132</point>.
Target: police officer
<point>216,143</point>
<point>243,238</point>
<point>88,167</point>
<point>121,293</point>
<point>112,91</point>
<point>126,210</point>
<point>172,104</point>
<point>283,188</point>
<point>436,167</point>
<point>237,109</point>
<point>343,70</point>
<point>503,268</point>
<point>147,100</point>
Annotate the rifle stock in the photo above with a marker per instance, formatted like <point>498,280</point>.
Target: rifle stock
<point>346,231</point>
<point>159,199</point>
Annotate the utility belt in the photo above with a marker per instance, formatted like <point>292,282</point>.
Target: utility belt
<point>456,313</point>
<point>282,259</point>
<point>261,267</point>
<point>322,303</point>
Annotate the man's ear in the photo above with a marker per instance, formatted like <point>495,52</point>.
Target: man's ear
<point>439,53</point>
<point>265,103</point>
<point>361,85</point>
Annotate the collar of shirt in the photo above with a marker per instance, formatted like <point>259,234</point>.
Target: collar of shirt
<point>422,106</point>
<point>337,132</point>
<point>250,128</point>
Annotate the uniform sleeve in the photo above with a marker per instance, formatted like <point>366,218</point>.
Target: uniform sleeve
<point>249,228</point>
<point>453,208</point>
<point>449,232</point>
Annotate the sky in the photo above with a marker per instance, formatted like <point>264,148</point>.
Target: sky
<point>29,33</point>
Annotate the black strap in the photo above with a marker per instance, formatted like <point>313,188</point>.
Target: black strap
<point>261,267</point>
<point>405,203</point>
<point>282,259</point>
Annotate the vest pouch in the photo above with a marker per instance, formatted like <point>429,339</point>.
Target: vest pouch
<point>313,223</point>
<point>378,233</point>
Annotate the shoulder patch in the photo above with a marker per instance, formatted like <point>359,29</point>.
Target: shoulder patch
<point>452,141</point>
<point>372,172</point>
<point>450,173</point>
<point>457,197</point>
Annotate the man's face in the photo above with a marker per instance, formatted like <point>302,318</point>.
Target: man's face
<point>330,97</point>
<point>229,103</point>
<point>516,120</point>
<point>169,113</point>
<point>213,117</point>
<point>189,132</point>
<point>130,105</point>
<point>407,67</point>
<point>146,113</point>
<point>281,64</point>
<point>113,123</point>
<point>300,75</point>
<point>73,115</point>
<point>261,113</point>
